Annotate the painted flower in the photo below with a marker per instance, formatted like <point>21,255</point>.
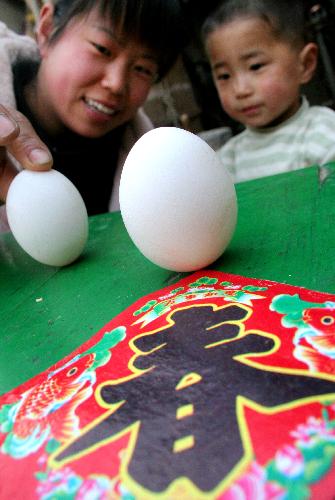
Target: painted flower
<point>253,485</point>
<point>94,489</point>
<point>313,430</point>
<point>289,461</point>
<point>61,482</point>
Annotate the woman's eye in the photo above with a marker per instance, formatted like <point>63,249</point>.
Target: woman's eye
<point>102,49</point>
<point>142,69</point>
<point>145,71</point>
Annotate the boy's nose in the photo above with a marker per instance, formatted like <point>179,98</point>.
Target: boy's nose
<point>242,86</point>
<point>116,77</point>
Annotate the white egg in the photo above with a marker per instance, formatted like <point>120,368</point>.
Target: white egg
<point>47,216</point>
<point>177,200</point>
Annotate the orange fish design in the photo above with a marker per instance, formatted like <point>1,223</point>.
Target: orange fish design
<point>316,361</point>
<point>316,347</point>
<point>53,400</point>
<point>321,319</point>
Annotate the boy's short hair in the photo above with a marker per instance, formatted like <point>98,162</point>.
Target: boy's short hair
<point>285,17</point>
<point>156,23</point>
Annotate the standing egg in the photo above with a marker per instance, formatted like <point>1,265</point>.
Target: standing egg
<point>177,200</point>
<point>47,216</point>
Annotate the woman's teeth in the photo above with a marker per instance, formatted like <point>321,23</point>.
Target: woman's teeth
<point>100,107</point>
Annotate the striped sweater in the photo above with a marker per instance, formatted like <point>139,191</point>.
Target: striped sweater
<point>305,139</point>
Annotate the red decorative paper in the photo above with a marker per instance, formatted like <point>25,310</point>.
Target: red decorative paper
<point>217,387</point>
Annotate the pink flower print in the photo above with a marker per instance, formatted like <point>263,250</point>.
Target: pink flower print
<point>57,479</point>
<point>253,486</point>
<point>312,431</point>
<point>289,461</point>
<point>93,489</point>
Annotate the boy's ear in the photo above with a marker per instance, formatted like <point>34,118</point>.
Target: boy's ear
<point>308,60</point>
<point>44,27</point>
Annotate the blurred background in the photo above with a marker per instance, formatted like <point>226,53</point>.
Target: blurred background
<point>187,97</point>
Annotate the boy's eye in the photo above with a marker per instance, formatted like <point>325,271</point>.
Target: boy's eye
<point>102,49</point>
<point>256,66</point>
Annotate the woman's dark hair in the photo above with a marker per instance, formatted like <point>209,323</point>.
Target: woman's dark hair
<point>159,24</point>
<point>285,17</point>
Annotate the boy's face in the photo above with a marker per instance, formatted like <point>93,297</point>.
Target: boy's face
<point>257,76</point>
<point>93,78</point>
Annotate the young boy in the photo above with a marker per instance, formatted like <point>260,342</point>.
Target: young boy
<point>260,57</point>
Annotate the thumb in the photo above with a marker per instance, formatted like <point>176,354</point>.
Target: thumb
<point>7,173</point>
<point>18,138</point>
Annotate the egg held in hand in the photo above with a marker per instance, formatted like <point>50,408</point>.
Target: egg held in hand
<point>47,216</point>
<point>177,200</point>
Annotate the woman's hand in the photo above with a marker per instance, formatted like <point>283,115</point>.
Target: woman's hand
<point>18,138</point>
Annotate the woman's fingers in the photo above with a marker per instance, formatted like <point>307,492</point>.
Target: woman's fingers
<point>7,173</point>
<point>19,138</point>
<point>8,127</point>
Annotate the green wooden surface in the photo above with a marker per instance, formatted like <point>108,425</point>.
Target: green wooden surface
<point>285,233</point>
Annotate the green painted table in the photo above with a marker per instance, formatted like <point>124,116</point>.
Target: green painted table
<point>285,233</point>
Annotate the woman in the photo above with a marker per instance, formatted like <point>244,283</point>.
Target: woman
<point>74,98</point>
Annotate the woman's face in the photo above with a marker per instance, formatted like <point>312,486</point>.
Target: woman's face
<point>93,78</point>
